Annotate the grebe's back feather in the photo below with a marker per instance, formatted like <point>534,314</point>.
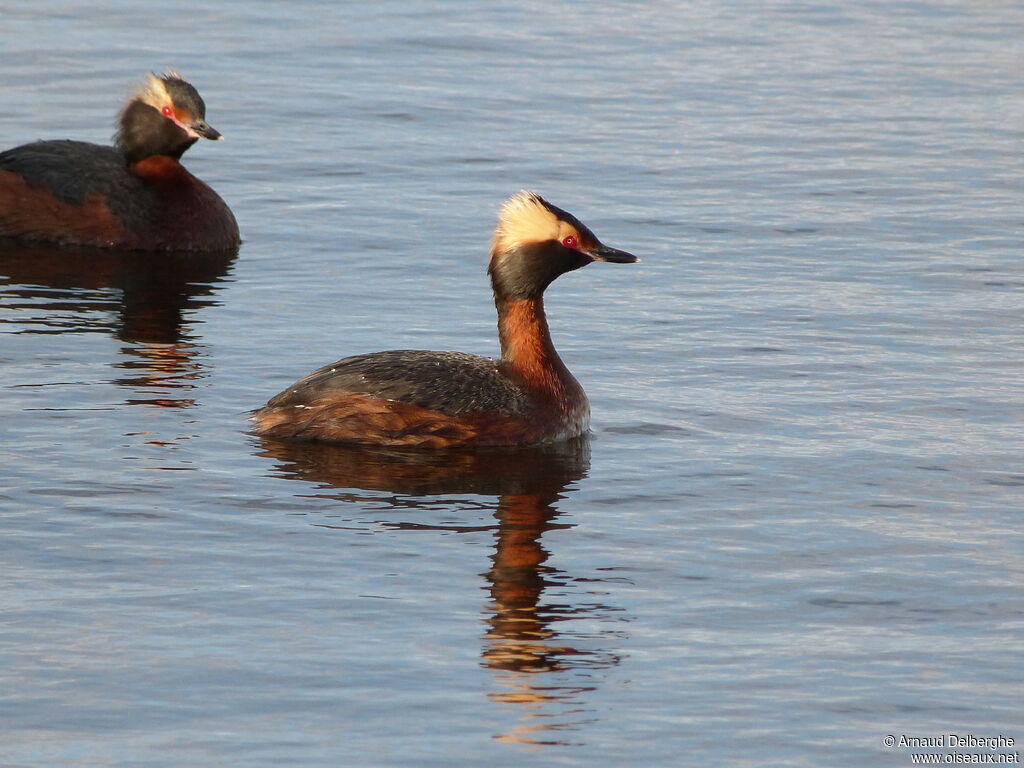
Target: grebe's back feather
<point>452,383</point>
<point>97,170</point>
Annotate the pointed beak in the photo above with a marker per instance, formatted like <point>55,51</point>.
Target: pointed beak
<point>613,255</point>
<point>207,131</point>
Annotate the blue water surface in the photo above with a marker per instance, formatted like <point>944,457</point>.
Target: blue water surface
<point>796,527</point>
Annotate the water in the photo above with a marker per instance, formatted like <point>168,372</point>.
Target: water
<point>796,527</point>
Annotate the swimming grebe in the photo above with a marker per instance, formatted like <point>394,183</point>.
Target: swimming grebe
<point>132,195</point>
<point>448,399</point>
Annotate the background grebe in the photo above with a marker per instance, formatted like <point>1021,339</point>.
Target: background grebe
<point>135,194</point>
<point>441,399</point>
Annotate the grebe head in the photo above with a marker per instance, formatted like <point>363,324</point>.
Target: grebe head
<point>535,242</point>
<point>165,117</point>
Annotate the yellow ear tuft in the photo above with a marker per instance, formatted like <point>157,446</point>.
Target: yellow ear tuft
<point>524,218</point>
<point>153,91</point>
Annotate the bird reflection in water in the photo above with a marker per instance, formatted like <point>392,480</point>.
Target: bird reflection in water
<point>141,299</point>
<point>541,667</point>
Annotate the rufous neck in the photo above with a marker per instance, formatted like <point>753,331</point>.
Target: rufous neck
<point>525,339</point>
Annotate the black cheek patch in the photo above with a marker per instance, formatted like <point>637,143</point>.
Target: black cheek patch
<point>532,268</point>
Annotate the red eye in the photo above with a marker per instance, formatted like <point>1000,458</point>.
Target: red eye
<point>569,241</point>
<point>167,112</point>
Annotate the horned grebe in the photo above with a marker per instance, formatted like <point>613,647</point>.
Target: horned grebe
<point>448,399</point>
<point>134,195</point>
